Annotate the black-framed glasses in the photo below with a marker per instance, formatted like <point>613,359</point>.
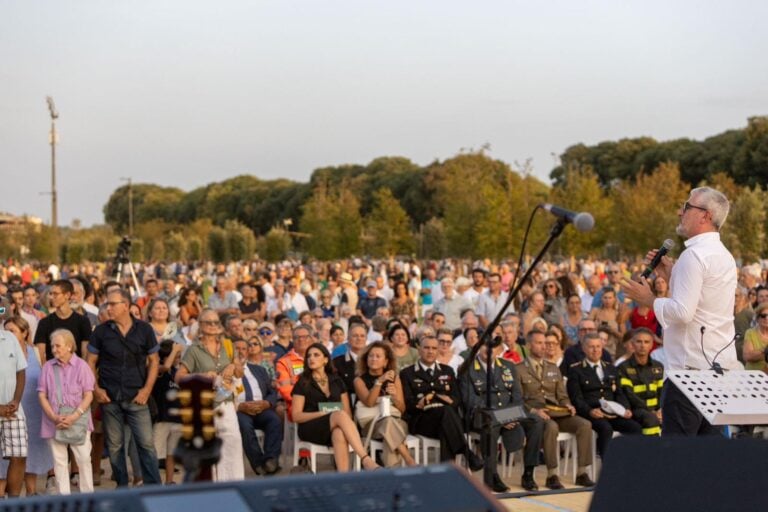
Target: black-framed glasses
<point>210,322</point>
<point>687,206</point>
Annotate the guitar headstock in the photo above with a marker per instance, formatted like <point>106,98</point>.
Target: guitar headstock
<point>199,448</point>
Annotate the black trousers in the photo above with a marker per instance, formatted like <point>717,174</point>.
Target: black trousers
<point>441,423</point>
<point>604,429</point>
<point>679,417</point>
<point>528,433</point>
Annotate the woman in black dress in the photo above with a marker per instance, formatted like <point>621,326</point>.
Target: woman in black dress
<point>319,383</point>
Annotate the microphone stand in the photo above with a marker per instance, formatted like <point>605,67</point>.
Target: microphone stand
<point>489,448</point>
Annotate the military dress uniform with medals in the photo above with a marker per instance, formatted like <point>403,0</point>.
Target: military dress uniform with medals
<point>586,388</point>
<point>642,384</point>
<point>437,420</point>
<point>505,391</point>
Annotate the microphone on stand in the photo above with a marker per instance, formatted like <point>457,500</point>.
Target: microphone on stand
<point>663,250</point>
<point>582,221</point>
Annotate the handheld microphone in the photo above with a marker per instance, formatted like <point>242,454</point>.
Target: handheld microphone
<point>581,221</point>
<point>663,250</point>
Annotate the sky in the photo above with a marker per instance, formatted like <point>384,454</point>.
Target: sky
<point>185,93</point>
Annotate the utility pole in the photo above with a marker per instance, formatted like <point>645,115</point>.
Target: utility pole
<point>130,206</point>
<point>53,139</point>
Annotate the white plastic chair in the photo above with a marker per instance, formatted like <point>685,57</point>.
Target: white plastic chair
<point>317,449</point>
<point>428,443</point>
<point>569,453</point>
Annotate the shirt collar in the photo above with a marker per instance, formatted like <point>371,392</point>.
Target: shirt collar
<point>708,236</point>
<point>427,368</point>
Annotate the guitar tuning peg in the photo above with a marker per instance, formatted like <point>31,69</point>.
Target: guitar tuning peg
<point>184,396</point>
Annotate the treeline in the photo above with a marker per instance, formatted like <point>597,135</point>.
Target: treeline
<point>742,154</point>
<point>470,205</point>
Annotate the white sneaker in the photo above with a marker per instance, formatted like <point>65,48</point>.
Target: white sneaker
<point>50,486</point>
<point>74,480</point>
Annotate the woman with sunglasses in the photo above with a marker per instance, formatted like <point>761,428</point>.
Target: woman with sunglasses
<point>212,355</point>
<point>554,300</point>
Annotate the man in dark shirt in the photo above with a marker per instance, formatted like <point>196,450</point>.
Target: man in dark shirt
<point>575,353</point>
<point>254,304</point>
<point>346,364</point>
<point>123,354</point>
<point>368,305</point>
<point>62,318</point>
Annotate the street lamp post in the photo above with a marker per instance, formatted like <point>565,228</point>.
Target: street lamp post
<point>53,139</point>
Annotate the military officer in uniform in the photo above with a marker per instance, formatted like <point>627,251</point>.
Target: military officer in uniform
<point>432,402</point>
<point>505,391</point>
<point>544,394</point>
<point>641,378</point>
<point>589,381</point>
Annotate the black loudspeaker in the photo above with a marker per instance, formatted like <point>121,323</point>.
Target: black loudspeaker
<point>440,488</point>
<point>682,473</point>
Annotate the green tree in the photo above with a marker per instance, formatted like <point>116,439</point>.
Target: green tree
<point>580,191</point>
<point>332,223</point>
<point>751,161</point>
<point>218,249</point>
<point>388,226</point>
<point>240,240</point>
<point>97,249</point>
<point>150,202</point>
<point>175,246</point>
<point>276,244</point>
<point>744,229</point>
<point>655,198</point>
<point>40,242</point>
<point>318,221</point>
<point>349,224</point>
<point>432,242</point>
<point>137,250</point>
<point>194,248</point>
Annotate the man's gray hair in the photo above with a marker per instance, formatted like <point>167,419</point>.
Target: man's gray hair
<point>590,336</point>
<point>715,202</point>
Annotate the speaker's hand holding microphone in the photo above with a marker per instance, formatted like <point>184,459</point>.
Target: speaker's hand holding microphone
<point>658,261</point>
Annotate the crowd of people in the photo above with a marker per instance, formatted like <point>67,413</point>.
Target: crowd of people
<point>345,353</point>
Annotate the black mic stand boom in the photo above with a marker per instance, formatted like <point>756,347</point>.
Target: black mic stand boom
<point>489,449</point>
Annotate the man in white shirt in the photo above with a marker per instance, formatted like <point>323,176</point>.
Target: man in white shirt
<point>451,304</point>
<point>478,286</point>
<point>699,310</point>
<point>492,300</point>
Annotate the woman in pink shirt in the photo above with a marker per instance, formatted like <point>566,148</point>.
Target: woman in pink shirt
<point>77,383</point>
